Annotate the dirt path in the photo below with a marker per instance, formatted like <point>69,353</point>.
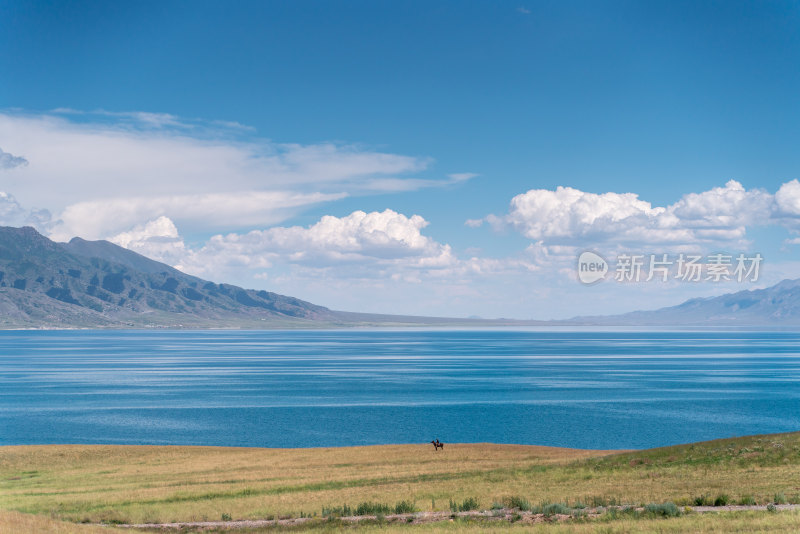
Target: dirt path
<point>504,514</point>
<point>740,508</point>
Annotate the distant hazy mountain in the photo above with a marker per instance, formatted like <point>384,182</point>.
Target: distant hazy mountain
<point>778,305</point>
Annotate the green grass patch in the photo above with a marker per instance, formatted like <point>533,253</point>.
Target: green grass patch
<point>470,503</point>
<point>369,508</point>
<point>666,509</point>
<point>747,500</point>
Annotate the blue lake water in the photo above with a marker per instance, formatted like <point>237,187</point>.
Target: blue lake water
<point>602,390</point>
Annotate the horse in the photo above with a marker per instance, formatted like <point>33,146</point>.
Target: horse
<point>437,445</point>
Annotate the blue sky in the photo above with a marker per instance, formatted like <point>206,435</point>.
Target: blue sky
<point>444,110</point>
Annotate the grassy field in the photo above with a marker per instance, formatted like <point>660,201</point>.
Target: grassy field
<point>124,484</point>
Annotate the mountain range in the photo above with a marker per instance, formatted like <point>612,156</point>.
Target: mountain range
<point>97,284</point>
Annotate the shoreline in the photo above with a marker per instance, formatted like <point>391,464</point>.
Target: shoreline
<point>532,447</point>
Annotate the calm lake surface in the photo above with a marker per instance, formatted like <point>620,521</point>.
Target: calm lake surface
<point>602,390</point>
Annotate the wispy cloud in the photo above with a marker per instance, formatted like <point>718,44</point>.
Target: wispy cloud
<point>97,219</point>
<point>10,161</point>
<point>147,119</point>
<point>126,168</point>
<point>458,177</point>
<point>13,214</point>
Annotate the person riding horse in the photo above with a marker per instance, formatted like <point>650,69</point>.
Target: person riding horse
<point>437,444</point>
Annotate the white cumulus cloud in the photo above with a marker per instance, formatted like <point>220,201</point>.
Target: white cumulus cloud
<point>568,216</point>
<point>568,212</point>
<point>788,199</point>
<point>382,238</point>
<point>157,239</point>
<point>722,208</point>
<point>359,245</point>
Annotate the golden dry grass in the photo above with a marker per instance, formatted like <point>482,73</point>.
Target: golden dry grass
<point>139,484</point>
<point>17,523</point>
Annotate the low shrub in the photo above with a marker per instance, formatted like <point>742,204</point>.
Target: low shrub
<point>520,503</point>
<point>667,509</point>
<point>722,500</point>
<point>405,507</point>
